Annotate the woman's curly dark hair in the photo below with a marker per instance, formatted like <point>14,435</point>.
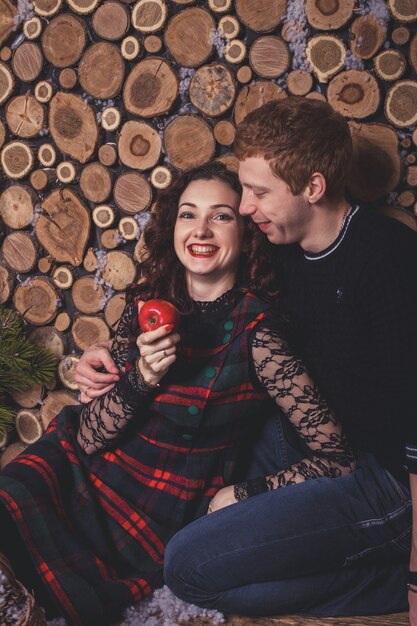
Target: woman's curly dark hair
<point>161,270</point>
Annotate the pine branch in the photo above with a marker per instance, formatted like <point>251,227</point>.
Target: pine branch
<point>7,417</point>
<point>23,364</point>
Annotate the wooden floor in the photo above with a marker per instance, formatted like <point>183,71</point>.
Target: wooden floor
<point>396,619</point>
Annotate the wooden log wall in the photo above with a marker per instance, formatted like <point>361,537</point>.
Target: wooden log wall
<point>100,101</point>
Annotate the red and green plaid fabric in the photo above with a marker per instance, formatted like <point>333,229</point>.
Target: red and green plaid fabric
<point>97,525</point>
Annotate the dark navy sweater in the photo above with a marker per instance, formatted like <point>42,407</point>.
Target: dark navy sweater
<point>354,313</point>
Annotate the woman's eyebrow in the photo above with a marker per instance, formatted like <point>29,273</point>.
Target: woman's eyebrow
<point>212,206</point>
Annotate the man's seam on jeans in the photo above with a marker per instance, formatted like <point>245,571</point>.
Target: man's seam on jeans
<point>379,521</point>
<point>362,553</point>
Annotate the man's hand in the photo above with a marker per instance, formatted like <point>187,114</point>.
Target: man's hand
<point>92,383</point>
<point>224,497</point>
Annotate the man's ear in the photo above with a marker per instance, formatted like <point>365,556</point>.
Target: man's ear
<point>316,188</point>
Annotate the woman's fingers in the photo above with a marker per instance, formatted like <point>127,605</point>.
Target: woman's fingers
<point>88,393</point>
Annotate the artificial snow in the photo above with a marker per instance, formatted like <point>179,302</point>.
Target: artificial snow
<point>162,609</point>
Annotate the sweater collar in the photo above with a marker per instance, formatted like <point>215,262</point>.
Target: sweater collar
<point>315,256</point>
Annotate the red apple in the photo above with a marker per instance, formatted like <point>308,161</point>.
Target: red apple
<point>156,313</point>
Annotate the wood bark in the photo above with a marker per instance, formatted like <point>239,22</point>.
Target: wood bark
<point>17,205</point>
<point>119,270</point>
<point>150,88</point>
<point>7,279</point>
<point>229,26</point>
<point>413,52</point>
<point>212,89</point>
<point>6,82</point>
<point>103,216</point>
<point>83,7</point>
<point>47,155</point>
<point>376,164</point>
<point>2,132</point>
<point>87,330</point>
<point>244,74</point>
<point>29,398</point>
<point>43,91</point>
<point>64,40</point>
<point>299,82</point>
<point>110,239</point>
<point>188,36</point>
<point>354,93</point>
<point>261,16</point>
<point>235,51</point>
<point>66,371</point>
<point>161,177</point>
<point>46,8</point>
<point>36,300</point>
<point>19,251</point>
<point>367,36</point>
<point>32,28</point>
<point>88,295</point>
<point>68,78</point>
<point>8,14</point>
<point>128,228</point>
<point>111,118</point>
<point>224,133</point>
<point>327,56</point>
<point>254,95</point>
<point>219,6</point>
<point>25,116</point>
<point>66,172</point>
<point>111,20</point>
<point>390,65</point>
<point>404,11</point>
<point>130,48</point>
<point>132,192</point>
<point>27,62</point>
<point>188,142</point>
<point>63,277</point>
<point>63,228</point>
<point>11,452</point>
<point>107,154</point>
<point>54,403</point>
<point>41,179</point>
<point>114,309</point>
<point>269,56</point>
<point>139,145</point>
<point>16,159</point>
<point>328,14</point>
<point>62,321</point>
<point>401,103</point>
<point>73,126</point>
<point>101,70</point>
<point>149,16</point>
<point>96,182</point>
<point>49,338</point>
<point>400,35</point>
<point>28,426</point>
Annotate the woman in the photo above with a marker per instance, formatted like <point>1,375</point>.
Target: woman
<point>98,498</point>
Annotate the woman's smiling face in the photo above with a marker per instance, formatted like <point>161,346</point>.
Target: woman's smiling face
<point>209,232</point>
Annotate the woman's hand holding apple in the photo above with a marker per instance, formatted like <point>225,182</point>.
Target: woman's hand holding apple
<point>157,350</point>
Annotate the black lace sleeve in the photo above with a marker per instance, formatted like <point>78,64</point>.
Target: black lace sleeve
<point>103,419</point>
<point>287,381</point>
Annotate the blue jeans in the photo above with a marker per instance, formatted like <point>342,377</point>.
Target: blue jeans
<point>326,547</point>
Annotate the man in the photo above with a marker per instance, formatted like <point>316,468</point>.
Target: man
<point>327,546</point>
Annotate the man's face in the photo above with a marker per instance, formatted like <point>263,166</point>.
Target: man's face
<point>283,217</point>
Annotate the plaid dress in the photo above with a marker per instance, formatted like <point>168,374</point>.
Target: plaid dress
<point>97,525</point>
